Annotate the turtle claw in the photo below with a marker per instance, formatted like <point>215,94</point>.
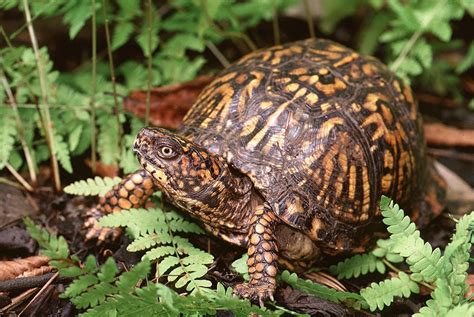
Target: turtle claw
<point>261,292</point>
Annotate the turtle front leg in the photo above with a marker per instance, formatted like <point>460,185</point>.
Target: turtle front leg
<point>262,261</point>
<point>132,192</point>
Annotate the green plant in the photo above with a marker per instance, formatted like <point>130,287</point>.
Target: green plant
<point>56,116</point>
<point>411,34</point>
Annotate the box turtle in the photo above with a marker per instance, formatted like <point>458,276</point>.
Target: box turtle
<point>287,153</point>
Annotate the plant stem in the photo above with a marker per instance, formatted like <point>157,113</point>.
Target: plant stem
<point>412,41</point>
<point>94,74</point>
<point>20,128</point>
<point>46,117</point>
<point>309,19</point>
<point>19,178</point>
<point>220,57</point>
<point>112,73</point>
<point>276,27</point>
<point>230,34</point>
<point>150,74</point>
<point>397,270</point>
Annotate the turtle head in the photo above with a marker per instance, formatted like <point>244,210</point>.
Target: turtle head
<point>191,177</point>
<point>177,166</point>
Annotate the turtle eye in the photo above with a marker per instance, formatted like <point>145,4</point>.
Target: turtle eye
<point>167,152</point>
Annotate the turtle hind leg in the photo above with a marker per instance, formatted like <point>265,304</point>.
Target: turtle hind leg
<point>432,204</point>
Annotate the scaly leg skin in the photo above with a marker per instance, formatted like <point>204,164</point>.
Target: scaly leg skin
<point>262,261</point>
<point>132,192</point>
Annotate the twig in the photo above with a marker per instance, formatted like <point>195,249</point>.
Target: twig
<point>411,42</point>
<point>19,178</point>
<point>150,74</point>
<point>46,118</point>
<point>309,19</point>
<point>276,27</point>
<point>42,290</point>
<point>8,182</point>
<point>94,80</point>
<point>18,300</point>
<point>231,34</point>
<point>220,57</point>
<point>112,71</point>
<point>20,128</point>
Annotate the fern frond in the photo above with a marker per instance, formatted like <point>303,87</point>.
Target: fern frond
<point>379,295</point>
<point>140,221</point>
<point>92,186</point>
<point>54,247</point>
<point>461,310</point>
<point>121,34</point>
<point>440,302</point>
<point>108,140</point>
<point>7,135</point>
<point>425,263</point>
<point>61,150</point>
<point>457,255</point>
<point>350,299</point>
<point>357,265</point>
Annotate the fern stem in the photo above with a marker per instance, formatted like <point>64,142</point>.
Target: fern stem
<point>397,270</point>
<point>93,92</point>
<point>415,36</point>
<point>19,178</point>
<point>112,73</point>
<point>276,27</point>
<point>218,54</point>
<point>173,243</point>
<point>309,19</point>
<point>150,74</point>
<point>44,107</point>
<point>20,128</point>
<point>5,36</point>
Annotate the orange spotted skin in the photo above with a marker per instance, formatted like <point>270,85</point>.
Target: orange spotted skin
<point>306,137</point>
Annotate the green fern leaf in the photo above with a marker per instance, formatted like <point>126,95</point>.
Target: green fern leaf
<point>79,285</point>
<point>139,221</point>
<point>128,280</point>
<point>7,135</point>
<point>357,265</point>
<point>461,310</point>
<point>379,295</point>
<point>61,150</point>
<point>92,186</point>
<point>148,241</point>
<point>159,252</point>
<point>52,246</point>
<point>122,33</point>
<point>108,140</point>
<point>425,263</point>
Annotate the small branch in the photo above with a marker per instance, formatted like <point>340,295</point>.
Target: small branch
<point>230,34</point>
<point>276,27</point>
<point>412,41</point>
<point>20,128</point>
<point>112,72</point>
<point>217,53</point>
<point>19,178</point>
<point>44,94</point>
<point>150,74</point>
<point>42,290</point>
<point>93,92</point>
<point>309,19</point>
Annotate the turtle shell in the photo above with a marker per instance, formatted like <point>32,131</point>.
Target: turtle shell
<point>321,131</point>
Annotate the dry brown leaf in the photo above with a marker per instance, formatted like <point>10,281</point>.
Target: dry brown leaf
<point>168,104</point>
<point>14,268</point>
